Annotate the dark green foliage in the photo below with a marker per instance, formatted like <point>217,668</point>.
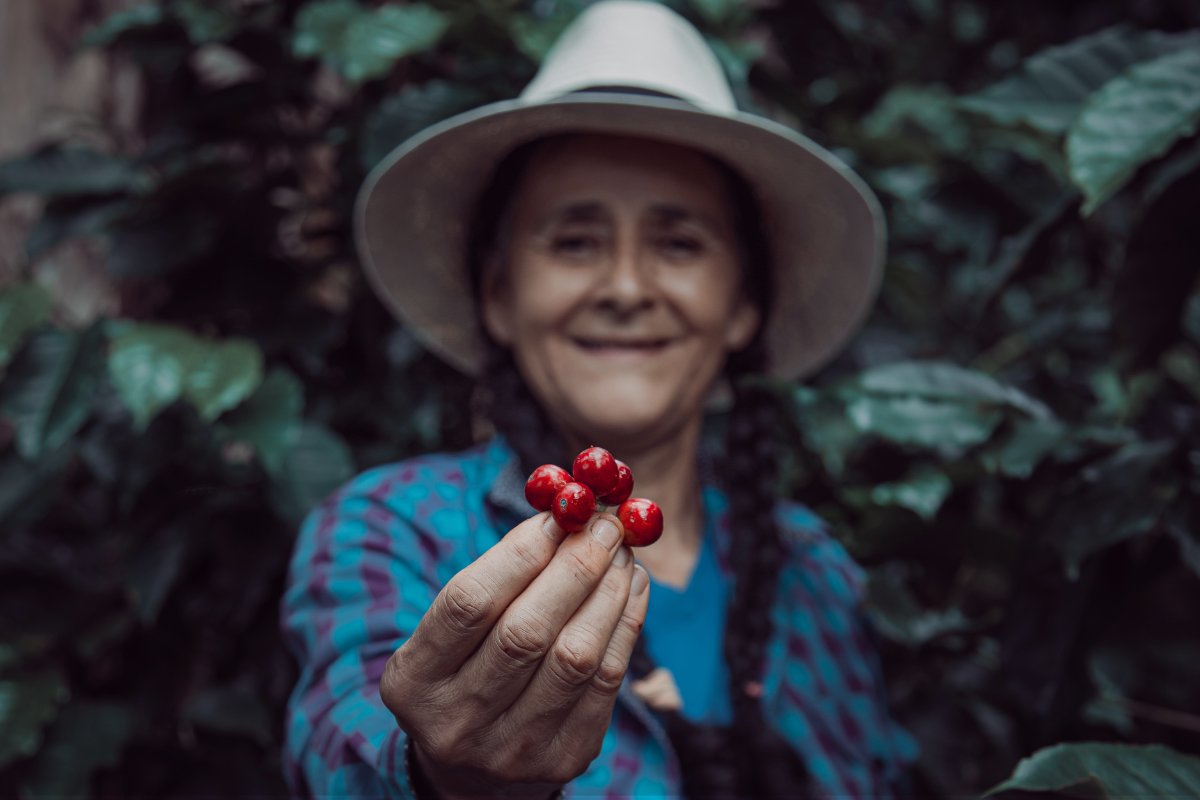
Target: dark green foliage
<point>1011,446</point>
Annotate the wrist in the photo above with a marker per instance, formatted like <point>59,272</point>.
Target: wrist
<point>431,781</point>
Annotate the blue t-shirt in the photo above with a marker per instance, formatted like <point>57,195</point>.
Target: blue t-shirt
<point>685,633</point>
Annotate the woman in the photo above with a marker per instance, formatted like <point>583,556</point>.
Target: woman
<point>612,252</point>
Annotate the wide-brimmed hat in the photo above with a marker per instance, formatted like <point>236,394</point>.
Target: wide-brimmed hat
<point>628,68</point>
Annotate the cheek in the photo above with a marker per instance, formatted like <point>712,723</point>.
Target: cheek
<point>703,299</point>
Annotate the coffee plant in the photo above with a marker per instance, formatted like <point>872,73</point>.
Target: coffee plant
<point>1011,446</point>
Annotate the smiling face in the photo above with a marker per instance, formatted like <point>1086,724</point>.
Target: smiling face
<point>620,296</point>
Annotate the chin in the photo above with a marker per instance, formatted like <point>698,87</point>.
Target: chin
<point>618,416</point>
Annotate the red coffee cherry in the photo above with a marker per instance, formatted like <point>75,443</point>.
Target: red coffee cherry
<point>573,507</point>
<point>624,487</point>
<point>596,469</point>
<point>543,484</point>
<point>643,521</point>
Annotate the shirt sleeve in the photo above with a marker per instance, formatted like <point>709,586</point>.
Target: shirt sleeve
<point>359,583</point>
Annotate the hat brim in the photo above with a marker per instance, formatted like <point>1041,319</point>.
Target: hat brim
<point>826,229</point>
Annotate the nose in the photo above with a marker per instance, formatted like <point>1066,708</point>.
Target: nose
<point>627,286</point>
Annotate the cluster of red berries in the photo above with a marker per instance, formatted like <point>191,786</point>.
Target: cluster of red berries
<point>596,475</point>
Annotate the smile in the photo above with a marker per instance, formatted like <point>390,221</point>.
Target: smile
<point>616,347</point>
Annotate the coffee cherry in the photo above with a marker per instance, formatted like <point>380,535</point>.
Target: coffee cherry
<point>596,469</point>
<point>543,484</point>
<point>624,487</point>
<point>643,521</point>
<point>573,507</point>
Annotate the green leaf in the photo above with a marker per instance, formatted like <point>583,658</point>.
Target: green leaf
<point>222,376</point>
<point>1131,120</point>
<point>143,15</point>
<point>1029,441</point>
<point>896,614</point>
<point>1116,770</point>
<point>23,307</point>
<point>152,366</point>
<point>48,392</point>
<point>940,380</point>
<point>148,365</point>
<point>66,170</point>
<point>1051,86</point>
<point>203,22</point>
<point>88,736</point>
<point>365,43</point>
<point>534,35</point>
<point>25,487</point>
<point>270,420</point>
<point>415,108</point>
<point>318,464</point>
<point>26,707</point>
<point>922,494</point>
<point>1115,499</point>
<point>717,12</point>
<point>156,565</point>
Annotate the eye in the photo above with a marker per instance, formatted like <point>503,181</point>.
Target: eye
<point>681,247</point>
<point>575,245</point>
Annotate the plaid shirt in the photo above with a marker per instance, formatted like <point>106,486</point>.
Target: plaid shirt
<point>370,560</point>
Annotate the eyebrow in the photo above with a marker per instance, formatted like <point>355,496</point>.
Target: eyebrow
<point>591,211</point>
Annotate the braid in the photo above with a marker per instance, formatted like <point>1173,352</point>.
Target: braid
<point>747,758</point>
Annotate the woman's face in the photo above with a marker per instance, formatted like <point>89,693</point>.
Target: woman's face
<point>620,297</point>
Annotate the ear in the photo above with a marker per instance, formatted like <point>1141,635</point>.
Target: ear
<point>742,326</point>
<point>497,308</point>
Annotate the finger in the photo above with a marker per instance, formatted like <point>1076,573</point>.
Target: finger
<point>577,654</point>
<point>584,727</point>
<point>470,604</point>
<point>495,676</point>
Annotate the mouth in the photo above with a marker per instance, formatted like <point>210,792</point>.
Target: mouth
<point>621,347</point>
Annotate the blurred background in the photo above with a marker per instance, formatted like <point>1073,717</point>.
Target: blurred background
<point>191,360</point>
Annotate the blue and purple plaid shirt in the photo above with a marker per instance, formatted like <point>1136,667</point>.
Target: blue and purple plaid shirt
<point>370,560</point>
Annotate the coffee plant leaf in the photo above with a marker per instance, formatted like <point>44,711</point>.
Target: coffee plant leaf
<point>25,487</point>
<point>66,170</point>
<point>1114,499</point>
<point>1115,770</point>
<point>155,567</point>
<point>148,364</point>
<point>23,307</point>
<point>718,12</point>
<point>922,494</point>
<point>1051,86</point>
<point>1132,119</point>
<point>943,381</point>
<point>88,735</point>
<point>947,427</point>
<point>27,706</point>
<point>222,375</point>
<point>1018,453</point>
<point>318,463</point>
<point>364,43</point>
<point>269,420</point>
<point>142,15</point>
<point>897,615</point>
<point>70,217</point>
<point>48,391</point>
<point>414,108</point>
<point>205,21</point>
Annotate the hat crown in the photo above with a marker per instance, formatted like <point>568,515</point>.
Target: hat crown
<point>634,44</point>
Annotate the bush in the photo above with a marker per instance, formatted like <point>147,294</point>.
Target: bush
<point>1012,445</point>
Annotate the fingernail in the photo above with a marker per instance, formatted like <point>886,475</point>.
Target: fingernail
<point>606,533</point>
<point>623,556</point>
<point>641,581</point>
<point>551,529</point>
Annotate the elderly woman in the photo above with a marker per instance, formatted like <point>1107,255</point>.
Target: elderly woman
<point>614,253</point>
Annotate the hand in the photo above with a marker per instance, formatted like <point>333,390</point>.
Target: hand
<point>508,684</point>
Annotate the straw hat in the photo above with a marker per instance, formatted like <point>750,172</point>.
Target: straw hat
<point>825,226</point>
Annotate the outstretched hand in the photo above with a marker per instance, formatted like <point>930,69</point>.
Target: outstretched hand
<point>508,683</point>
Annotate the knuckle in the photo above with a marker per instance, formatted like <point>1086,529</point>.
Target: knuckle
<point>466,603</point>
<point>576,660</point>
<point>522,640</point>
<point>610,675</point>
<point>582,567</point>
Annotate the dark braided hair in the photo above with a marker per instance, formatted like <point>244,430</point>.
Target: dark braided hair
<point>747,758</point>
